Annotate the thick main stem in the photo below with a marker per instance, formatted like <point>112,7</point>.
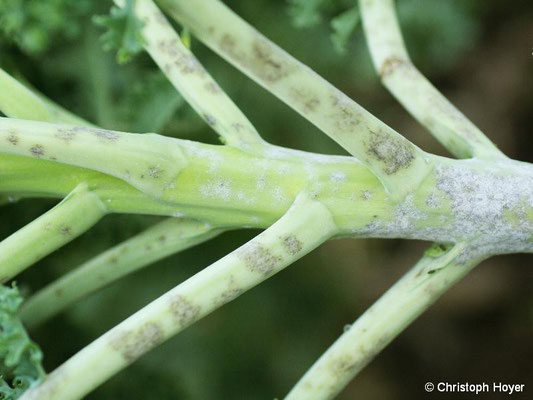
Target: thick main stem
<point>305,226</point>
<point>78,212</point>
<point>163,239</point>
<point>432,276</point>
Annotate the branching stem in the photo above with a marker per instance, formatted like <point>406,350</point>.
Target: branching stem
<point>460,136</point>
<point>305,226</point>
<point>191,79</point>
<point>399,164</point>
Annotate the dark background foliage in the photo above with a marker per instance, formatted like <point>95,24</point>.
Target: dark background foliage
<point>479,53</point>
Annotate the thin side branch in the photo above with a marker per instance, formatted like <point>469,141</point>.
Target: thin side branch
<point>305,226</point>
<point>447,124</point>
<point>163,239</point>
<point>78,212</point>
<point>398,163</point>
<point>415,292</point>
<point>191,79</point>
<point>18,101</point>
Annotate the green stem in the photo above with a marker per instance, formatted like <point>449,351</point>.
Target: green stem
<point>189,77</point>
<point>79,211</point>
<point>431,277</point>
<point>148,162</point>
<point>399,164</point>
<point>305,226</point>
<point>19,101</point>
<point>449,126</point>
<point>161,240</point>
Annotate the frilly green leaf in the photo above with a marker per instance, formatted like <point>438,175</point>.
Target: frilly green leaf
<point>20,358</point>
<point>123,31</point>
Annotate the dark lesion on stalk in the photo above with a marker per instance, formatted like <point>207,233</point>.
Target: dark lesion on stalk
<point>309,102</point>
<point>258,258</point>
<point>292,245</point>
<point>390,65</point>
<point>37,150</point>
<point>107,136</point>
<point>394,153</point>
<point>133,344</point>
<point>184,310</point>
<point>65,230</point>
<point>261,57</point>
<point>345,117</point>
<point>210,120</point>
<point>13,138</point>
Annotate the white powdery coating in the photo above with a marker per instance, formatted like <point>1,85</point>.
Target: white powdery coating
<point>338,177</point>
<point>219,188</point>
<point>489,206</point>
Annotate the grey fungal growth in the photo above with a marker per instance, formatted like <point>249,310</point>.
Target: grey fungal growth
<point>394,153</point>
<point>37,151</point>
<point>258,258</point>
<point>133,344</point>
<point>292,245</point>
<point>185,311</point>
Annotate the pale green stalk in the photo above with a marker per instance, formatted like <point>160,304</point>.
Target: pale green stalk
<point>148,162</point>
<point>190,78</point>
<point>18,101</point>
<point>153,244</point>
<point>416,291</point>
<point>399,164</point>
<point>79,211</point>
<point>389,54</point>
<point>305,226</point>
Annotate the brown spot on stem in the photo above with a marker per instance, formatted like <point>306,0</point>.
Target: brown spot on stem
<point>133,344</point>
<point>13,138</point>
<point>67,135</point>
<point>184,310</point>
<point>390,65</point>
<point>37,151</point>
<point>292,245</point>
<point>65,230</point>
<point>266,63</point>
<point>393,152</point>
<point>258,259</point>
<point>211,121</point>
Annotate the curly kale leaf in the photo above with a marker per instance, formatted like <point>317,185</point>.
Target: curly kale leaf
<point>20,358</point>
<point>123,31</point>
<point>34,25</point>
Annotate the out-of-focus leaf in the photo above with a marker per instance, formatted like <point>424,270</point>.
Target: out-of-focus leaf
<point>150,103</point>
<point>343,26</point>
<point>34,25</point>
<point>306,13</point>
<point>123,31</point>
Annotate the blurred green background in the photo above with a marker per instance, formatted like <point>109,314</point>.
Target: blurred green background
<point>478,52</point>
